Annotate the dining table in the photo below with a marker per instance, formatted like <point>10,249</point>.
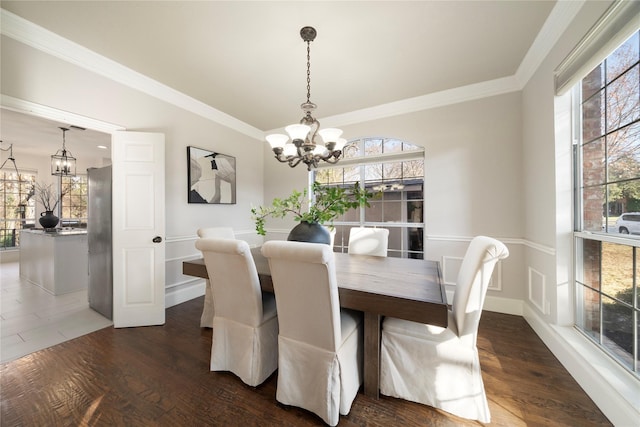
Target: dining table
<point>404,288</point>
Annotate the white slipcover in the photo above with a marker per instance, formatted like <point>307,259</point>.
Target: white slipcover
<point>438,366</point>
<point>245,324</point>
<point>320,345</point>
<point>206,320</point>
<point>368,241</point>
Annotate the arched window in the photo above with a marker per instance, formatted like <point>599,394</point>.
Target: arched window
<point>395,170</point>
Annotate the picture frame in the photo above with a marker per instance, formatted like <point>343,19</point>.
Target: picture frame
<point>211,177</point>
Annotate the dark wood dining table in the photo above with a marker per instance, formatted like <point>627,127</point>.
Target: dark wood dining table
<point>405,288</point>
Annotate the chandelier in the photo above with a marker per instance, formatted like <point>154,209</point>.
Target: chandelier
<point>301,145</point>
<point>10,158</point>
<point>63,164</point>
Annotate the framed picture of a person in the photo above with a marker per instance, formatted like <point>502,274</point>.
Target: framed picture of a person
<point>211,177</point>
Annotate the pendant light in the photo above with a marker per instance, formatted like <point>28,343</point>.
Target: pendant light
<point>63,163</point>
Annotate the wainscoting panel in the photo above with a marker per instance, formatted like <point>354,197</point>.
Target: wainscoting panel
<point>537,293</point>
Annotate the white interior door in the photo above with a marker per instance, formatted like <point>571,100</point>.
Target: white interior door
<point>138,229</point>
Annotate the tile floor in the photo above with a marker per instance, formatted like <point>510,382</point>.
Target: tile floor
<point>32,319</point>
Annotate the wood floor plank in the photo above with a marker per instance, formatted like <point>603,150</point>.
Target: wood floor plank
<point>159,375</point>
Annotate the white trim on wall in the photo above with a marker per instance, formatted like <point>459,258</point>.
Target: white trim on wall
<point>613,389</point>
<point>33,35</point>
<point>46,41</point>
<point>536,285</point>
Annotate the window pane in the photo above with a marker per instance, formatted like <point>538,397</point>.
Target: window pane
<point>414,211</point>
<point>622,58</point>
<point>374,212</point>
<point>392,146</point>
<point>352,150</point>
<point>373,172</point>
<point>617,333</point>
<point>617,271</point>
<point>623,100</point>
<point>593,200</point>
<point>392,170</point>
<point>392,212</point>
<point>351,175</point>
<point>593,82</point>
<point>395,238</point>
<point>372,147</point>
<point>593,117</point>
<point>410,147</point>
<point>589,274</point>
<point>623,154</point>
<point>588,312</point>
<point>593,155</point>
<point>413,169</point>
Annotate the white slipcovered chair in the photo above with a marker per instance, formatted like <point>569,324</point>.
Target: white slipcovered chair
<point>206,320</point>
<point>438,366</point>
<point>368,241</point>
<point>319,345</point>
<point>245,323</point>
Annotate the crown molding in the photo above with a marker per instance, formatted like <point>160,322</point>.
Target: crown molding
<point>39,38</point>
<point>561,15</point>
<point>33,35</point>
<point>26,107</point>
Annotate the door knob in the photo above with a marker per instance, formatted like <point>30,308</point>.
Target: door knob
<point>157,239</point>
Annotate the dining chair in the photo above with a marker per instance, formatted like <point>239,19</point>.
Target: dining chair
<point>438,366</point>
<point>245,322</point>
<point>206,319</point>
<point>319,344</point>
<point>368,241</point>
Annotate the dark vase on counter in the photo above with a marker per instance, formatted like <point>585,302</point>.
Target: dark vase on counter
<point>48,219</point>
<point>310,232</point>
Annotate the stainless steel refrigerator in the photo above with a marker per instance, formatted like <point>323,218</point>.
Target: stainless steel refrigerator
<point>99,237</point>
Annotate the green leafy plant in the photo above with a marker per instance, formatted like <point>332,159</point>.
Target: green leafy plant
<point>328,204</point>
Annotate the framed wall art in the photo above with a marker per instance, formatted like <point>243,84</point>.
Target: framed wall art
<point>211,177</point>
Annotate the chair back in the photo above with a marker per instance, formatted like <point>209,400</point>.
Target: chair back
<point>234,279</point>
<point>304,282</point>
<point>368,241</point>
<point>216,233</point>
<point>473,279</point>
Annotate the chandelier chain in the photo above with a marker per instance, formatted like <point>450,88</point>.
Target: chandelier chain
<point>308,71</point>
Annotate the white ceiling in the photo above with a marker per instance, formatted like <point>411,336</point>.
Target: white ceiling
<point>246,58</point>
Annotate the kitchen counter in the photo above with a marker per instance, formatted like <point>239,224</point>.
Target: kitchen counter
<point>57,261</point>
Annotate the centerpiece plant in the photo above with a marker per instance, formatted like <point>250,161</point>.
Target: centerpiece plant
<point>47,196</point>
<point>327,203</point>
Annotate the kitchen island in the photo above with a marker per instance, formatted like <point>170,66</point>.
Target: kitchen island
<point>57,261</point>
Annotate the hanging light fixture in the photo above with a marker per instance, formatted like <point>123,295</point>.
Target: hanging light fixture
<point>301,144</point>
<point>63,163</point>
<point>10,158</point>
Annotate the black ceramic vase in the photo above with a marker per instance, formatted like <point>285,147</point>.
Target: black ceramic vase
<point>310,232</point>
<point>48,219</point>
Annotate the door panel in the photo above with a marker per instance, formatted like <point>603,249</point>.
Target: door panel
<point>138,219</point>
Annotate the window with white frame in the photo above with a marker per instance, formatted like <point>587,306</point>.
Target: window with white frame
<point>17,207</point>
<point>73,205</point>
<point>607,166</point>
<point>394,170</point>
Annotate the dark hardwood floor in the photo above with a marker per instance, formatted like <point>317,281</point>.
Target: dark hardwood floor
<point>159,376</point>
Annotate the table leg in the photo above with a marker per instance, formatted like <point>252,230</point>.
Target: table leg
<point>371,354</point>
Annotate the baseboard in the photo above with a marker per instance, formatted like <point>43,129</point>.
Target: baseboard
<point>503,305</point>
<point>175,296</point>
<point>614,390</point>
